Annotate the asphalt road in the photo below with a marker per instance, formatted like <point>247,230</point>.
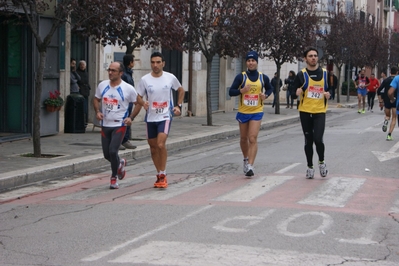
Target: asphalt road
<point>212,215</point>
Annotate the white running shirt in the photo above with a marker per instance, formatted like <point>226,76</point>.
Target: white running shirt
<point>115,102</point>
<point>158,91</point>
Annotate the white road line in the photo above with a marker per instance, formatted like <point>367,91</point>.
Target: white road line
<point>395,208</point>
<point>367,237</point>
<point>254,189</point>
<point>97,191</point>
<point>198,254</point>
<point>102,254</point>
<point>284,225</point>
<point>335,192</point>
<point>286,169</point>
<point>177,188</point>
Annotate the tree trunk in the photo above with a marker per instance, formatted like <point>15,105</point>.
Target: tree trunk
<point>37,104</point>
<point>277,94</point>
<point>208,91</point>
<point>339,84</point>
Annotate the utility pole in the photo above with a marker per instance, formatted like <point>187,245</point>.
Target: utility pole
<point>389,37</point>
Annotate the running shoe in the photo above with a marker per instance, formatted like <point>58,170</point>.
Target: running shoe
<point>389,137</point>
<point>363,111</point>
<point>114,183</point>
<point>121,169</point>
<point>385,126</point>
<point>359,111</point>
<point>323,169</point>
<point>245,168</point>
<point>156,182</point>
<point>310,173</point>
<point>163,182</point>
<point>250,172</point>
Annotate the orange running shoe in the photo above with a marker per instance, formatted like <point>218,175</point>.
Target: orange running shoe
<point>163,182</point>
<point>156,182</point>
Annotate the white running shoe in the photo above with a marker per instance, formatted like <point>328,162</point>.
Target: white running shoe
<point>310,173</point>
<point>245,165</point>
<point>323,169</point>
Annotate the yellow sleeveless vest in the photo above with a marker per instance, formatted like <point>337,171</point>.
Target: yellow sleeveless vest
<point>312,99</point>
<point>250,102</point>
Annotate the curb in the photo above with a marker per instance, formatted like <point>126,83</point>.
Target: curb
<point>27,176</point>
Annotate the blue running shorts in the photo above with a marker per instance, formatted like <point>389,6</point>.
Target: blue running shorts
<point>244,118</point>
<point>362,92</point>
<point>153,128</point>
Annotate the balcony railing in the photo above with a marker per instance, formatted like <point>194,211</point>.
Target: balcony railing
<point>395,5</point>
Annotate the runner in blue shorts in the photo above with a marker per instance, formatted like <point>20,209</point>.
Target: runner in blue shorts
<point>248,86</point>
<point>361,82</point>
<point>157,87</point>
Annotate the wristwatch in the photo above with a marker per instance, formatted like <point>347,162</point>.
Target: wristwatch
<point>180,106</point>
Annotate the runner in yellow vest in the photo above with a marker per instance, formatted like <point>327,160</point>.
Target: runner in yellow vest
<point>253,88</point>
<point>312,90</point>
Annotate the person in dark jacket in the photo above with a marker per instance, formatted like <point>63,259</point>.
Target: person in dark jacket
<point>276,92</point>
<point>84,87</point>
<point>128,63</point>
<point>291,89</point>
<point>332,84</point>
<point>74,87</point>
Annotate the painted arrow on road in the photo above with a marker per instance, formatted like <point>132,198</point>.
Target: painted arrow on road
<point>385,156</point>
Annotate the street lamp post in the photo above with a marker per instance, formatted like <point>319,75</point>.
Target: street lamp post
<point>389,38</point>
<point>349,79</point>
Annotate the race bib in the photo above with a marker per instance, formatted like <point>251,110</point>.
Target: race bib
<point>159,107</point>
<point>110,104</point>
<point>315,92</point>
<point>251,99</point>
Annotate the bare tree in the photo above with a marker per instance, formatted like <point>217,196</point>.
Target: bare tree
<point>217,27</point>
<point>341,41</point>
<point>134,23</point>
<point>283,28</point>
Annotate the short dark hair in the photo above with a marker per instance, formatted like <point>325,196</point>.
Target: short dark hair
<point>121,67</point>
<point>158,54</point>
<point>394,70</point>
<point>127,58</point>
<point>305,53</point>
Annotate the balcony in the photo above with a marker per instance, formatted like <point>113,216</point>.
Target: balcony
<point>395,5</point>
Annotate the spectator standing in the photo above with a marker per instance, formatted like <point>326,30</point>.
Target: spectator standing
<point>75,78</point>
<point>84,87</point>
<point>291,89</point>
<point>276,89</point>
<point>128,63</point>
<point>332,84</point>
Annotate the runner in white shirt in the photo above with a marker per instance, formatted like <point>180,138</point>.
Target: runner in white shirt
<point>157,86</point>
<point>114,95</point>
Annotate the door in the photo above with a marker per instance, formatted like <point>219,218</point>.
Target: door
<point>173,64</point>
<point>15,90</point>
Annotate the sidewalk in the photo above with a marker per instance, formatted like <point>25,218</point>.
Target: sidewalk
<point>82,151</point>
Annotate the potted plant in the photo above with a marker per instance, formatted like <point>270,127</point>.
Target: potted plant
<point>54,102</point>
